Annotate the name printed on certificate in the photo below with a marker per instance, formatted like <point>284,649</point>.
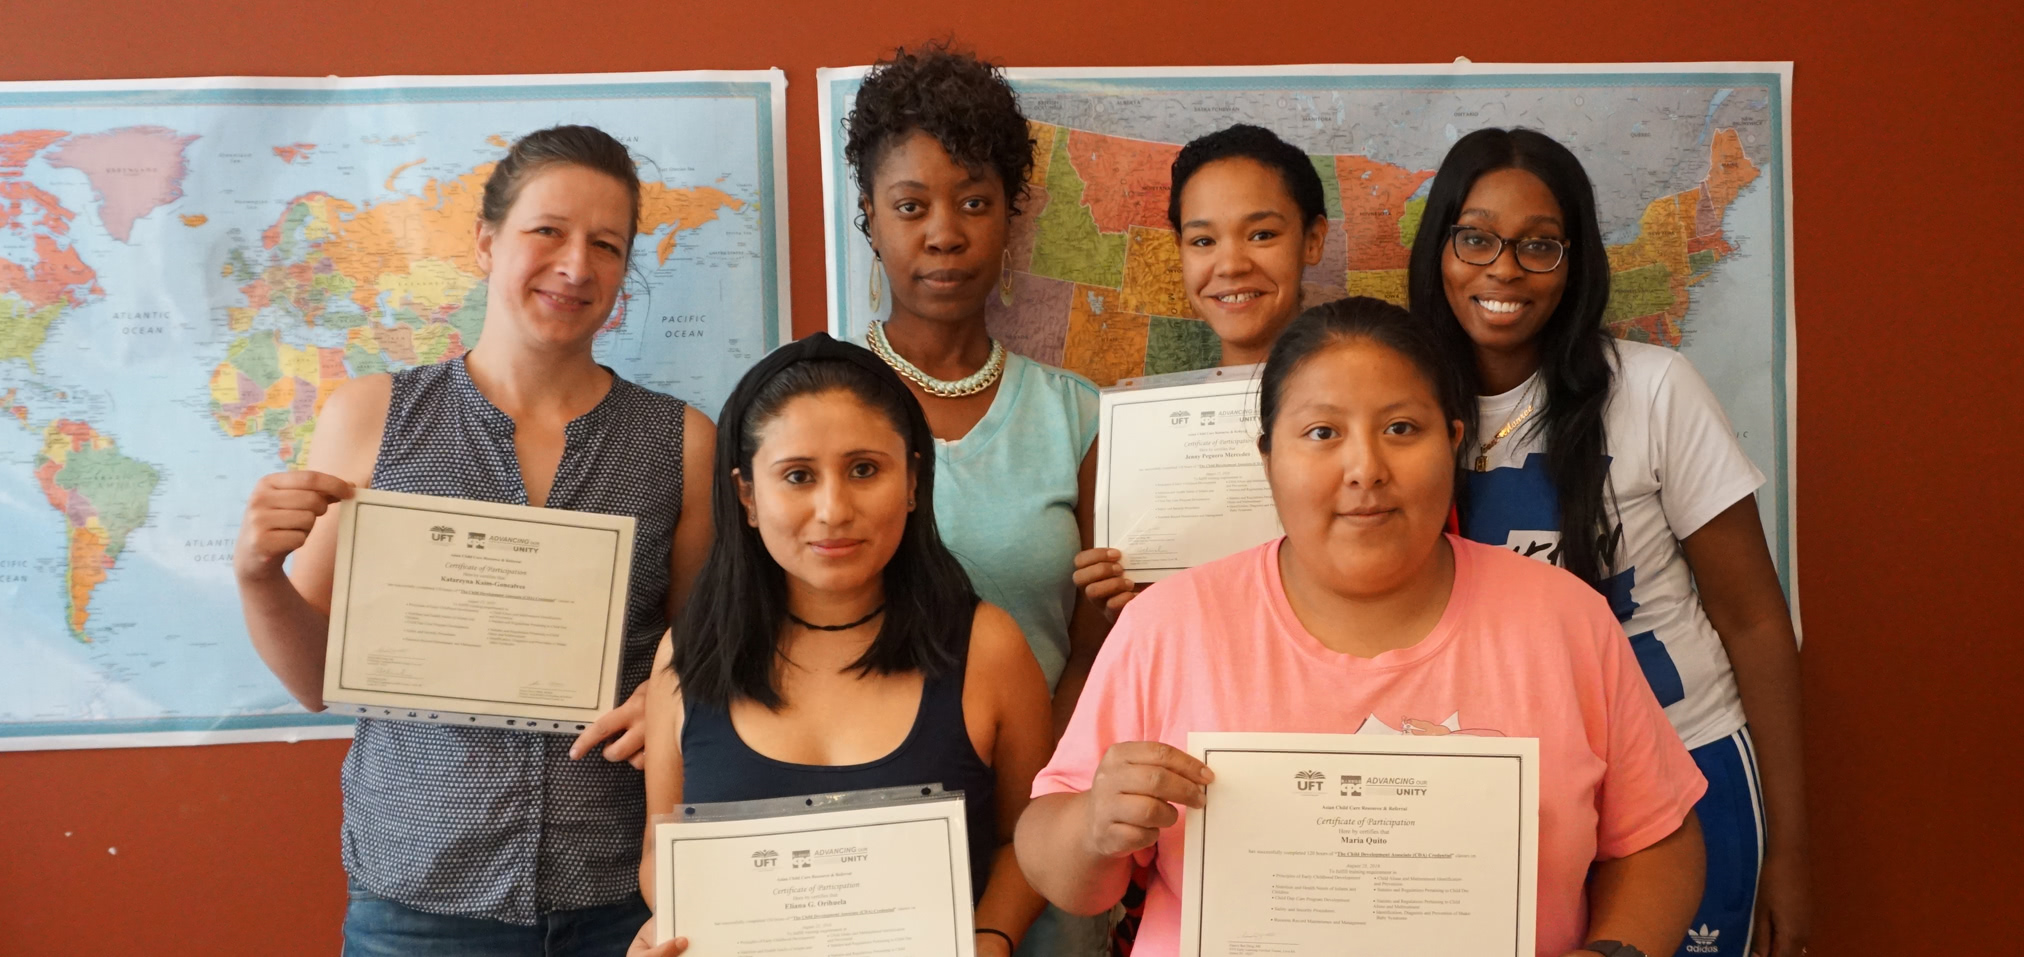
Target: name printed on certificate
<point>452,610</point>
<point>1179,478</point>
<point>875,880</point>
<point>1325,844</point>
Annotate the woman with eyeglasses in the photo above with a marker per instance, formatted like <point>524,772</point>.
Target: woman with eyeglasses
<point>1614,461</point>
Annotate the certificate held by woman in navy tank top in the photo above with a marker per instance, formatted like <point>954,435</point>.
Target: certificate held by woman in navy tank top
<point>477,613</point>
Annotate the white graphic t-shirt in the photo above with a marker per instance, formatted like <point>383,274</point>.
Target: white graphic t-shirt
<point>1674,464</point>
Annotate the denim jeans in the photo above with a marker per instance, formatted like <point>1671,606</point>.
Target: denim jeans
<point>377,927</point>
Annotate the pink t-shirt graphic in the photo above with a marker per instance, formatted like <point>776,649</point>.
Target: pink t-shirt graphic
<point>1523,650</point>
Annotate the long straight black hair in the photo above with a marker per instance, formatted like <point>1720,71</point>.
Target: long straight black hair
<point>1574,348</point>
<point>727,641</point>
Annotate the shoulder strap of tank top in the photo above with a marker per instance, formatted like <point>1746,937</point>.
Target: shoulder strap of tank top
<point>700,720</point>
<point>944,704</point>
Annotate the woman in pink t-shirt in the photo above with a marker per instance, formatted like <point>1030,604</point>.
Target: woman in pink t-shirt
<point>1366,618</point>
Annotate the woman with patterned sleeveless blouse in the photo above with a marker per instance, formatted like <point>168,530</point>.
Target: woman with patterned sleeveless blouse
<point>834,643</point>
<point>465,840</point>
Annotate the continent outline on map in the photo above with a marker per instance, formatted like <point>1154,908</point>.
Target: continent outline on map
<point>398,276</point>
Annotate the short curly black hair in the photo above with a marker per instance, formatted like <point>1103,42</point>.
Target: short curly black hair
<point>1256,143</point>
<point>960,100</point>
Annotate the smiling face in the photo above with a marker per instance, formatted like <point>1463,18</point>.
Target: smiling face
<point>938,228</point>
<point>554,264</point>
<point>1362,467</point>
<point>830,491</point>
<point>1501,306</point>
<point>1243,250</point>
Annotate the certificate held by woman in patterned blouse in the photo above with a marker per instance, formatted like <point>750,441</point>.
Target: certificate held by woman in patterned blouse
<point>464,612</point>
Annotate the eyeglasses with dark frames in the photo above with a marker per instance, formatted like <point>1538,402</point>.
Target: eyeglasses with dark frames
<point>1481,247</point>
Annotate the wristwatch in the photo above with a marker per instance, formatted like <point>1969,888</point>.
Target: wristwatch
<point>1614,948</point>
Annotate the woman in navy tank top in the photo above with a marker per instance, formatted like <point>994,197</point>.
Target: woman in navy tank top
<point>832,639</point>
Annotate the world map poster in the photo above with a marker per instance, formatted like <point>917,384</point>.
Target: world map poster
<point>188,268</point>
<point>1690,163</point>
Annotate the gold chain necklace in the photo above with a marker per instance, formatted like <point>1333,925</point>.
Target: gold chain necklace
<point>1483,458</point>
<point>971,384</point>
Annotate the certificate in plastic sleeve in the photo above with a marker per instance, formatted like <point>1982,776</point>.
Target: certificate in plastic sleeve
<point>865,874</point>
<point>463,612</point>
<point>1179,480</point>
<point>1331,844</point>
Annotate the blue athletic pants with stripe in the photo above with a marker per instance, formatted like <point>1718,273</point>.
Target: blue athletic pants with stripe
<point>1732,823</point>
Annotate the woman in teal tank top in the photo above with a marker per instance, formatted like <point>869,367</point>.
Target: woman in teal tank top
<point>941,154</point>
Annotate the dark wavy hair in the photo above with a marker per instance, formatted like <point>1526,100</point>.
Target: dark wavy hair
<point>585,146</point>
<point>1357,319</point>
<point>1244,141</point>
<point>726,644</point>
<point>960,100</point>
<point>1574,348</point>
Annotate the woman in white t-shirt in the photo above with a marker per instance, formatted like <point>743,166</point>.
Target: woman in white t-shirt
<point>1614,460</point>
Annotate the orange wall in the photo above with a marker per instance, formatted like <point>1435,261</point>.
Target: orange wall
<point>1904,121</point>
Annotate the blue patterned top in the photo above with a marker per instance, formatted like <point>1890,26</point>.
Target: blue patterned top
<point>487,822</point>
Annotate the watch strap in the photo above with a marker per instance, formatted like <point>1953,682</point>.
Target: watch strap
<point>1614,948</point>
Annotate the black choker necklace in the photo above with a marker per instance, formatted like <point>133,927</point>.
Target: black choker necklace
<point>880,610</point>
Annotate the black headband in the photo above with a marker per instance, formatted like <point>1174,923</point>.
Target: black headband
<point>819,347</point>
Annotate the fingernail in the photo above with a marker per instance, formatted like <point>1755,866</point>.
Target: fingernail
<point>1208,775</point>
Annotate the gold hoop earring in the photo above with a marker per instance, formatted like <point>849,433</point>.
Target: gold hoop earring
<point>877,267</point>
<point>1005,279</point>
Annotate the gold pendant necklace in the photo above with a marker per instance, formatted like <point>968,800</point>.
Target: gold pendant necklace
<point>1483,458</point>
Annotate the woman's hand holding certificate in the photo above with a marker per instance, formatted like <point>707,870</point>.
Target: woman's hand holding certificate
<point>643,944</point>
<point>1099,572</point>
<point>1133,794</point>
<point>283,508</point>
